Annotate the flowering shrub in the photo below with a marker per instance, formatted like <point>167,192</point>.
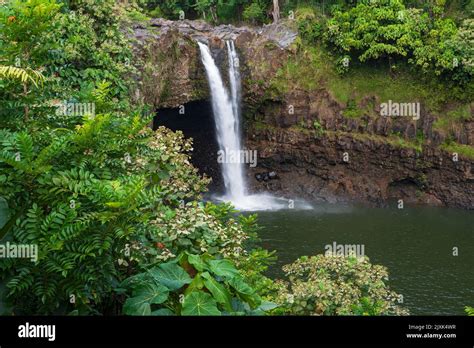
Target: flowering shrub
<point>193,229</point>
<point>337,285</point>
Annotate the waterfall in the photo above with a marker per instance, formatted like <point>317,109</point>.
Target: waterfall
<point>227,125</point>
<point>226,109</point>
<point>234,78</point>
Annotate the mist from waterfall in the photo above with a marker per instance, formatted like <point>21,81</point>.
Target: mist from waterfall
<point>226,109</point>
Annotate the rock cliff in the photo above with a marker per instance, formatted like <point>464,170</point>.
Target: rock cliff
<point>306,136</point>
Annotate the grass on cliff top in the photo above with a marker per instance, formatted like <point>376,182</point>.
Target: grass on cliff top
<point>313,67</point>
<point>456,116</point>
<point>463,150</point>
<point>393,139</point>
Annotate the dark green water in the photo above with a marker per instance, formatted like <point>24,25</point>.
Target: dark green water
<point>415,244</point>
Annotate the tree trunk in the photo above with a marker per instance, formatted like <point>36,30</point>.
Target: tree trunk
<point>276,11</point>
<point>214,14</point>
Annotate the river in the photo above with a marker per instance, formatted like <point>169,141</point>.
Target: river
<point>415,244</point>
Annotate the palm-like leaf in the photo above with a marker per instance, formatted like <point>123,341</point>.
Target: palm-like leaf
<point>24,75</point>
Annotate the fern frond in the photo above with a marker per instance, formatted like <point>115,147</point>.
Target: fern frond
<point>25,145</point>
<point>14,73</point>
<point>21,282</point>
<point>102,91</point>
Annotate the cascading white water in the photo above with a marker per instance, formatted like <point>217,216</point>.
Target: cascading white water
<point>234,78</point>
<point>226,111</point>
<point>227,125</point>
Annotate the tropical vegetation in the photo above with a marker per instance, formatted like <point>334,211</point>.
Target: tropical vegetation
<point>116,208</point>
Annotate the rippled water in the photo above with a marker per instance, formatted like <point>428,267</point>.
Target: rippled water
<point>415,244</point>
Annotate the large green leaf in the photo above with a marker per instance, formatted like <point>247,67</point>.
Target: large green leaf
<point>162,312</point>
<point>196,284</point>
<point>267,306</point>
<point>239,307</point>
<point>223,268</point>
<point>143,297</point>
<point>153,293</point>
<point>136,280</point>
<point>219,291</point>
<point>197,262</point>
<point>245,291</point>
<point>199,303</point>
<point>171,275</point>
<point>137,306</point>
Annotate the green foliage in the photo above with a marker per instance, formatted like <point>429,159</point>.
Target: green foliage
<point>170,275</point>
<point>336,285</point>
<point>252,266</point>
<point>24,75</point>
<point>114,207</point>
<point>352,110</point>
<point>255,12</point>
<point>93,49</point>
<point>192,285</point>
<point>318,129</point>
<point>102,196</point>
<point>200,303</point>
<point>453,119</point>
<point>70,52</point>
<point>199,228</point>
<point>215,11</point>
<point>437,52</point>
<point>460,149</point>
<point>388,30</point>
<point>29,19</point>
<point>156,12</point>
<point>469,311</point>
<point>4,212</point>
<point>376,29</point>
<point>82,198</point>
<point>310,28</point>
<point>463,46</point>
<point>169,8</point>
<point>24,50</point>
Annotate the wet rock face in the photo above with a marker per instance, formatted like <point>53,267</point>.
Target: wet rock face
<point>306,134</point>
<point>336,167</point>
<point>171,72</point>
<point>303,108</point>
<point>265,176</point>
